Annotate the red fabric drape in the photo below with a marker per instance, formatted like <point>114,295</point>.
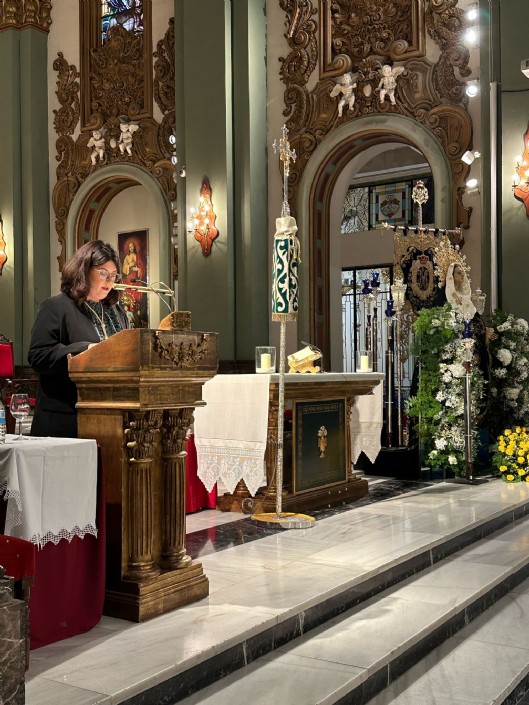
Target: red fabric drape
<point>197,497</point>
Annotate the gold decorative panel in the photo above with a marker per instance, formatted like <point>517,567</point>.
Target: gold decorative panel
<point>352,30</point>
<point>16,14</point>
<point>360,36</point>
<point>116,77</point>
<point>118,95</point>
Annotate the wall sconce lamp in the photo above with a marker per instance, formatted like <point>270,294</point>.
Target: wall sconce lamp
<point>3,256</point>
<point>202,221</point>
<point>469,157</point>
<point>472,88</point>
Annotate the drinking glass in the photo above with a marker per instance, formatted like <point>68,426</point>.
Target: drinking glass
<point>19,408</point>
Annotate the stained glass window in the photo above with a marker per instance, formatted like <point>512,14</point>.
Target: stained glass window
<point>127,13</point>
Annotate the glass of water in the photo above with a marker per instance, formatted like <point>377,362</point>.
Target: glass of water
<point>20,409</point>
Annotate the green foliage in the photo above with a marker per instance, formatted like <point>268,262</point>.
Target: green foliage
<point>438,406</point>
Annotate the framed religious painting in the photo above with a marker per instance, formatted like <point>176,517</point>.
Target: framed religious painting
<point>133,248</point>
<point>390,203</point>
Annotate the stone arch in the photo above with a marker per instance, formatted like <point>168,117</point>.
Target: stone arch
<point>94,196</point>
<point>314,205</point>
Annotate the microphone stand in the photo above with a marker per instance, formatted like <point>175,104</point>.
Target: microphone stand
<point>160,289</point>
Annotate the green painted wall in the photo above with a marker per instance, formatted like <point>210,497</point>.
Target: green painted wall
<point>512,21</point>
<point>221,126</point>
<point>24,193</point>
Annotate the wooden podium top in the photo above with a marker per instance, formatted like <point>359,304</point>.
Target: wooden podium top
<point>145,368</point>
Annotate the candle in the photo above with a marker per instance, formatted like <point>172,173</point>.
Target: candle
<point>266,361</point>
<point>364,363</point>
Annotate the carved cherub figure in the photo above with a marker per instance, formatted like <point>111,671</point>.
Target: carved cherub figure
<point>97,144</point>
<point>345,86</point>
<point>388,81</point>
<point>126,137</point>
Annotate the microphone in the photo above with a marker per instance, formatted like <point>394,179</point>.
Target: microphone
<point>158,288</point>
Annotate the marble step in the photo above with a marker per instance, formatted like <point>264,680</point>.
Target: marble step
<point>353,657</point>
<point>486,663</point>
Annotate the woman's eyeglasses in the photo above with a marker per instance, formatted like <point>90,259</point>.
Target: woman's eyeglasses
<point>106,276</point>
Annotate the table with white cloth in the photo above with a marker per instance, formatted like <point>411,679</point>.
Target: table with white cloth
<point>236,436</point>
<point>50,487</point>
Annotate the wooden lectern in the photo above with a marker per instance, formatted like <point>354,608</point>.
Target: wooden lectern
<point>136,395</point>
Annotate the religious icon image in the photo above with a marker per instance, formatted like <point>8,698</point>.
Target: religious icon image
<point>132,247</point>
<point>322,441</point>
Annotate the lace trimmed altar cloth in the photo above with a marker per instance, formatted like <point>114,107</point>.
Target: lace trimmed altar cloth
<point>230,431</point>
<point>366,425</point>
<point>50,485</point>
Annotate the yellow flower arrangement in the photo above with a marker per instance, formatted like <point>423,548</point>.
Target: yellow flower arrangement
<point>511,455</point>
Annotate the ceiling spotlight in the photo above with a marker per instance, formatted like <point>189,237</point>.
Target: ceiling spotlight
<point>472,11</point>
<point>468,157</point>
<point>525,67</point>
<point>472,88</point>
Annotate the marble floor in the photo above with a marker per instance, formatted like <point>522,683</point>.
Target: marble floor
<point>260,578</point>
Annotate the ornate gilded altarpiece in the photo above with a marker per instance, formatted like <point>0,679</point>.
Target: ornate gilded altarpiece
<point>17,14</point>
<point>327,38</point>
<point>116,83</point>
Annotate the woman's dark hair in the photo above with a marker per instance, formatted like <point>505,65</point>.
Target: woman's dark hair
<point>75,281</point>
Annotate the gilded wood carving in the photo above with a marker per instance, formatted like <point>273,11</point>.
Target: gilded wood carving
<point>359,36</point>
<point>16,14</point>
<point>183,354</point>
<point>113,101</point>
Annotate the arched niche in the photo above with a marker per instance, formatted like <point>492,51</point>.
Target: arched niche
<point>93,198</point>
<point>318,197</point>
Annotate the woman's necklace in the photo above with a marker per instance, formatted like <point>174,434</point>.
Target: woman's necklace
<point>100,318</point>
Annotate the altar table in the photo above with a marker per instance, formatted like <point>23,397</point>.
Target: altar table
<point>54,499</point>
<point>236,432</point>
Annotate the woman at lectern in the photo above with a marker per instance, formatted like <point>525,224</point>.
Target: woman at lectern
<point>86,312</point>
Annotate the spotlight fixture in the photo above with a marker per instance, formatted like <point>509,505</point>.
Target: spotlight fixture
<point>471,36</point>
<point>468,157</point>
<point>524,67</point>
<point>472,11</point>
<point>472,88</point>
<point>472,186</point>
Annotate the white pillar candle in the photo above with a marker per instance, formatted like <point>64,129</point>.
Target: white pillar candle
<point>364,363</point>
<point>266,361</point>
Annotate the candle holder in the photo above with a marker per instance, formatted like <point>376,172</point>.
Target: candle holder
<point>364,361</point>
<point>265,359</point>
<point>398,291</point>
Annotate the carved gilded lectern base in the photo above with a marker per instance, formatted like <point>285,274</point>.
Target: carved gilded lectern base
<point>136,395</point>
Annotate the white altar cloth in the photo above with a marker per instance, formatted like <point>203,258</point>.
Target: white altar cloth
<point>50,486</point>
<point>230,431</point>
<point>366,425</point>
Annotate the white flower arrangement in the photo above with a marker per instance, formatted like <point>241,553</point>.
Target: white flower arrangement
<point>439,404</point>
<point>509,390</point>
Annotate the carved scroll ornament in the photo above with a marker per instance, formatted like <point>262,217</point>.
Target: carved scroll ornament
<point>16,14</point>
<point>151,141</point>
<point>426,92</point>
<point>183,354</point>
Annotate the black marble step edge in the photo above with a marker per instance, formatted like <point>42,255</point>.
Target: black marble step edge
<point>201,675</point>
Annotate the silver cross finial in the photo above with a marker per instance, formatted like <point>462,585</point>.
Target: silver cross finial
<point>285,155</point>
